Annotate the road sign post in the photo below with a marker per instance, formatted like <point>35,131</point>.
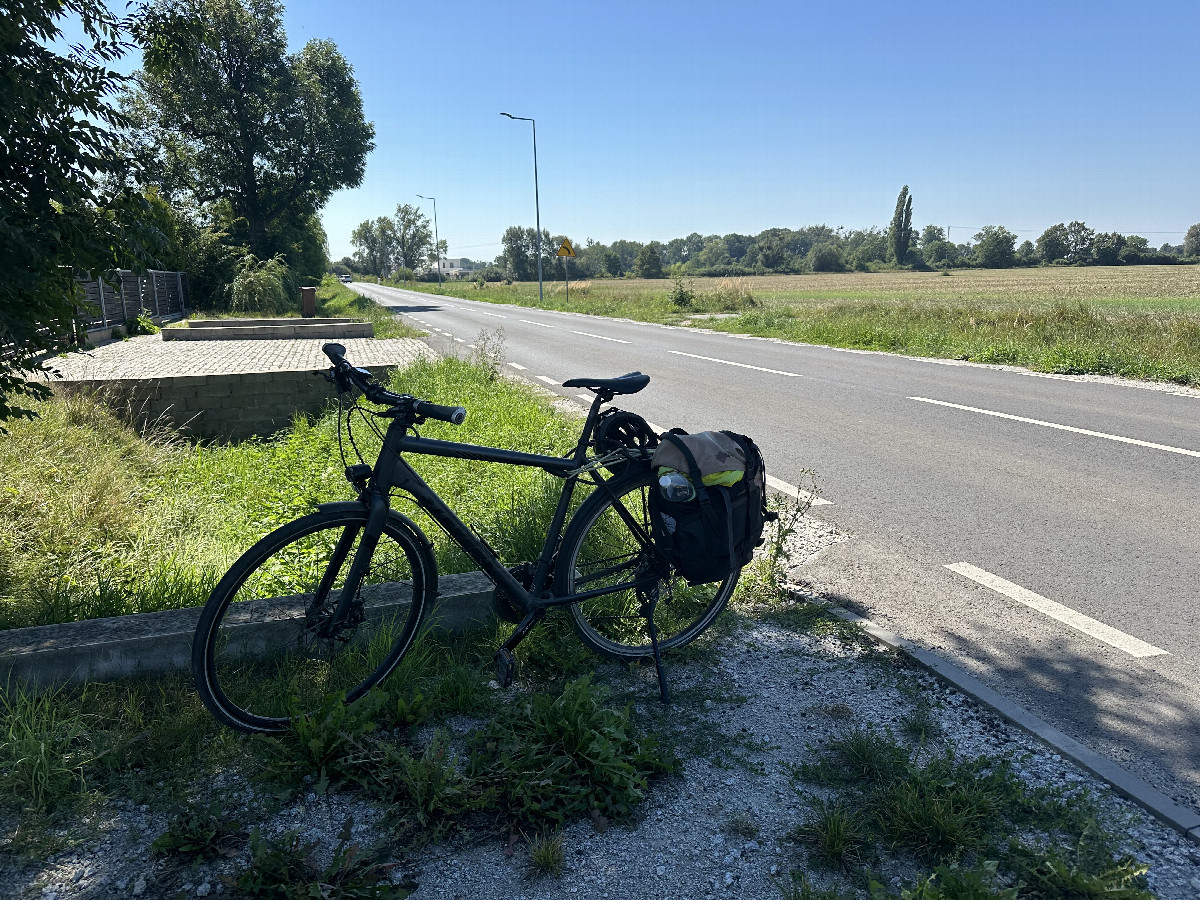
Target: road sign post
<point>566,251</point>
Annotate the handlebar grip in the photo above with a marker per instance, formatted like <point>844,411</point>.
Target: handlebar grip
<point>455,415</point>
<point>335,352</point>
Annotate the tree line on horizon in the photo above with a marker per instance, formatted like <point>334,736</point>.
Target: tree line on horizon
<point>820,248</point>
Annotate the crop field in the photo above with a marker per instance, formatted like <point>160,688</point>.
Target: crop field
<point>1135,321</point>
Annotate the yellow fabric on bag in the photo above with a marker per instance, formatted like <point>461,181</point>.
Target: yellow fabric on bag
<point>726,478</point>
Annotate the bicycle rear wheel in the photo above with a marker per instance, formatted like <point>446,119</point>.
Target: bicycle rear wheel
<point>258,658</point>
<point>601,549</point>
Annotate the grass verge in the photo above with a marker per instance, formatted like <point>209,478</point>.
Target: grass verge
<point>97,519</point>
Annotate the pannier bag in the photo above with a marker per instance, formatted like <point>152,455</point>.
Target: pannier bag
<point>708,510</point>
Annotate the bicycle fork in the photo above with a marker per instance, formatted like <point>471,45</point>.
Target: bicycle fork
<point>371,533</point>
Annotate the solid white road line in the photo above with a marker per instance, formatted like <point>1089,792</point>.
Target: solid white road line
<point>1064,614</point>
<point>548,380</point>
<point>795,493</point>
<point>601,337</point>
<point>738,364</point>
<point>1099,434</point>
<point>540,324</point>
<point>517,366</point>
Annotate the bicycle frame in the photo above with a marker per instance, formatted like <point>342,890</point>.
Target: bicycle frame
<point>393,471</point>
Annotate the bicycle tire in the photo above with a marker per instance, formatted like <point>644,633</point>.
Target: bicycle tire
<point>256,660</point>
<point>599,546</point>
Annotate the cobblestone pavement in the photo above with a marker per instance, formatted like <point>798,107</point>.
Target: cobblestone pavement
<point>149,356</point>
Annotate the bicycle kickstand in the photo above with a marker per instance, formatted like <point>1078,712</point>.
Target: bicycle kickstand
<point>647,611</point>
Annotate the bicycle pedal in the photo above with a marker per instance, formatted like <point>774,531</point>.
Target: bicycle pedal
<point>506,667</point>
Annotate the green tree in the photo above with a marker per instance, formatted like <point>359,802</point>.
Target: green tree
<point>940,254</point>
<point>414,239</point>
<point>900,233</point>
<point>612,263</point>
<point>1053,244</point>
<point>648,263</point>
<point>240,120</point>
<point>994,247</point>
<point>62,210</point>
<point>826,258</point>
<point>375,244</point>
<point>1080,240</point>
<point>519,257</point>
<point>931,233</point>
<point>1107,247</point>
<point>1191,241</point>
<point>1026,254</point>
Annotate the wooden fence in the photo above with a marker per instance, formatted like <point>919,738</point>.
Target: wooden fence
<point>156,294</point>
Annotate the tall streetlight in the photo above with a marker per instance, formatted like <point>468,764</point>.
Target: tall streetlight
<point>437,244</point>
<point>536,203</point>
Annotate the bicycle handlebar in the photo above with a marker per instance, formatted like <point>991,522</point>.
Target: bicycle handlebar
<point>346,375</point>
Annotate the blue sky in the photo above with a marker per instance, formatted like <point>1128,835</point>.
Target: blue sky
<point>659,119</point>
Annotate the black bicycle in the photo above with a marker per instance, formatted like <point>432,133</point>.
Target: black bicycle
<point>328,604</point>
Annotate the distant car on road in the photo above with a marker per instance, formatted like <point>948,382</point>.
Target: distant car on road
<point>345,278</point>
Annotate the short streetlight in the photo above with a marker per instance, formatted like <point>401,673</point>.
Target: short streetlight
<point>437,244</point>
<point>536,203</point>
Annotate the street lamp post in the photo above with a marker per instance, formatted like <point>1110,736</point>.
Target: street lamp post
<point>437,244</point>
<point>536,202</point>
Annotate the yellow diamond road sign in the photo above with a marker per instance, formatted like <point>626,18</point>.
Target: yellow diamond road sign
<point>566,249</point>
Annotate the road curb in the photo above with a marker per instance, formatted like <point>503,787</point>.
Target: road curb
<point>1158,804</point>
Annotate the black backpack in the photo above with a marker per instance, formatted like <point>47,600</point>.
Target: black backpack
<point>712,535</point>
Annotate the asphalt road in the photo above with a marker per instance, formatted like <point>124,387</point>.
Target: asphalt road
<point>1070,509</point>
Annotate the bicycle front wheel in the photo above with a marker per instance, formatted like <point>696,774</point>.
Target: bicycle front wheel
<point>263,652</point>
<point>602,549</point>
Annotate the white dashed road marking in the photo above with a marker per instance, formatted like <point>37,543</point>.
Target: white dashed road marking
<point>493,315</point>
<point>1099,434</point>
<point>539,324</point>
<point>795,493</point>
<point>1064,614</point>
<point>601,337</point>
<point>517,366</point>
<point>729,362</point>
<point>460,340</point>
<point>548,380</point>
<point>584,397</point>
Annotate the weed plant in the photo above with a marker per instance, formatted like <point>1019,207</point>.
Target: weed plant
<point>555,758</point>
<point>957,814</point>
<point>546,857</point>
<point>200,832</point>
<point>283,868</point>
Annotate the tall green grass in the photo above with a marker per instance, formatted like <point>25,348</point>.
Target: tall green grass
<point>97,519</point>
<point>1067,338</point>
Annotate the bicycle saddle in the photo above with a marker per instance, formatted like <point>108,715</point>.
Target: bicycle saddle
<point>629,383</point>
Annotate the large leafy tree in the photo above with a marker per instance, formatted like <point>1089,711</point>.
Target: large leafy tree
<point>994,247</point>
<point>414,239</point>
<point>375,246</point>
<point>239,122</point>
<point>57,154</point>
<point>1053,244</point>
<point>1191,241</point>
<point>900,233</point>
